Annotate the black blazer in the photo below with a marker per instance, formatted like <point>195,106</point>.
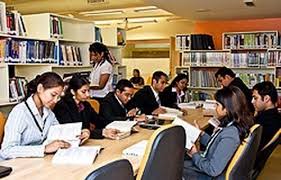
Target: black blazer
<point>169,98</point>
<point>111,110</point>
<point>145,100</point>
<point>66,111</point>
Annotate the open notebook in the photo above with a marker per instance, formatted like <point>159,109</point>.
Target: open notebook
<point>76,155</point>
<point>171,113</point>
<point>137,149</point>
<point>124,127</point>
<point>192,133</point>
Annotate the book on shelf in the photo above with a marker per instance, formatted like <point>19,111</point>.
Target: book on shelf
<point>84,155</point>
<point>125,128</point>
<point>68,132</point>
<point>3,20</point>
<point>17,90</point>
<point>192,133</point>
<point>137,149</point>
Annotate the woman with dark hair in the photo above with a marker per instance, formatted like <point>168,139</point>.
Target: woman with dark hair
<point>102,72</point>
<point>29,122</point>
<point>175,92</point>
<point>73,107</point>
<point>137,80</point>
<point>235,122</point>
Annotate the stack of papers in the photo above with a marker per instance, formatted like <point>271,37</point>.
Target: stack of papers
<point>68,132</point>
<point>137,149</point>
<point>76,155</point>
<point>124,127</point>
<point>192,133</point>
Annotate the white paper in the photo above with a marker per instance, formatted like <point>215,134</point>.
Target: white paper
<point>210,104</point>
<point>67,132</point>
<point>76,155</point>
<point>137,149</point>
<point>192,133</point>
<point>191,105</point>
<point>172,111</point>
<point>123,126</point>
<point>167,116</point>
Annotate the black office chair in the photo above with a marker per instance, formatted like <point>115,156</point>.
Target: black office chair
<point>164,155</point>
<point>117,170</point>
<point>265,152</point>
<point>242,163</point>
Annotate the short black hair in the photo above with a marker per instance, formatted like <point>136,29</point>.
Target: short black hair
<point>223,71</point>
<point>179,77</point>
<point>122,84</point>
<point>157,75</point>
<point>75,83</point>
<point>267,88</point>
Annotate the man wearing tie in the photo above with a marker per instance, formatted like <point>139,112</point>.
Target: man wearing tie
<point>147,99</point>
<point>113,107</point>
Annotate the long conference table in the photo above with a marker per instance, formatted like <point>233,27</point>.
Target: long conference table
<point>42,168</point>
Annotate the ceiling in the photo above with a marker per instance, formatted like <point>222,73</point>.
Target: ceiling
<point>189,9</point>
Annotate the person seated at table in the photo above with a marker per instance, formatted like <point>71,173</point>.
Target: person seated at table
<point>28,123</point>
<point>265,99</point>
<point>114,105</point>
<point>175,92</point>
<point>73,107</point>
<point>147,99</point>
<point>235,122</point>
<point>137,80</point>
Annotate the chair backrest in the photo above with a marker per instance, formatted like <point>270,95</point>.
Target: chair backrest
<point>117,170</point>
<point>265,152</point>
<point>164,155</point>
<point>95,104</point>
<point>242,163</point>
<point>149,80</point>
<point>2,126</point>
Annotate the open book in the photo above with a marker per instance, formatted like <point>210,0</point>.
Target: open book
<point>67,132</point>
<point>171,113</point>
<point>191,105</point>
<point>124,127</point>
<point>192,133</point>
<point>76,155</point>
<point>137,149</point>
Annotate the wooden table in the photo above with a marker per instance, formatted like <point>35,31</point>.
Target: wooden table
<point>42,168</point>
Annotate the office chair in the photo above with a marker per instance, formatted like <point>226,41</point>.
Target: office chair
<point>164,155</point>
<point>264,153</point>
<point>242,163</point>
<point>95,104</point>
<point>117,170</point>
<point>2,126</point>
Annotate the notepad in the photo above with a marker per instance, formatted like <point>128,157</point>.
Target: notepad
<point>76,155</point>
<point>137,149</point>
<point>124,127</point>
<point>192,133</point>
<point>67,132</point>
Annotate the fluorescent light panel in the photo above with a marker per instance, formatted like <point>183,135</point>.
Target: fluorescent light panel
<point>145,9</point>
<point>101,13</point>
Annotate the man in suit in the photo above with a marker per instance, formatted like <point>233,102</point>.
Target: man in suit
<point>226,77</point>
<point>113,107</point>
<point>264,100</point>
<point>147,99</point>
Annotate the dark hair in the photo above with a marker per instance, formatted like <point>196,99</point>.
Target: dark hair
<point>237,110</point>
<point>223,71</point>
<point>122,84</point>
<point>47,79</point>
<point>99,48</point>
<point>75,83</point>
<point>179,77</point>
<point>136,70</point>
<point>157,75</point>
<point>267,88</point>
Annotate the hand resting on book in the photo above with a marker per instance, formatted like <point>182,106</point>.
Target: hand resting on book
<point>110,133</point>
<point>55,145</point>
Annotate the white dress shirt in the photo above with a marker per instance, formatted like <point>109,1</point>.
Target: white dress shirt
<point>22,137</point>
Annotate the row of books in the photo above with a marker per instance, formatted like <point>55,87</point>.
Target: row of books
<point>17,89</point>
<point>70,55</point>
<point>203,78</point>
<point>250,79</point>
<point>56,27</point>
<point>27,51</point>
<point>205,58</point>
<point>183,41</point>
<point>250,40</point>
<point>250,59</point>
<point>274,58</point>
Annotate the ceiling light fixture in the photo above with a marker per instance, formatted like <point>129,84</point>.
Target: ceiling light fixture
<point>142,21</point>
<point>202,10</point>
<point>175,19</point>
<point>145,9</point>
<point>101,13</point>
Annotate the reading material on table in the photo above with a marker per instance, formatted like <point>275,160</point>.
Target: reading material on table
<point>76,155</point>
<point>137,149</point>
<point>192,133</point>
<point>124,127</point>
<point>67,132</point>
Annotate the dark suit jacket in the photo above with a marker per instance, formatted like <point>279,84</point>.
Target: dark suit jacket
<point>169,98</point>
<point>111,110</point>
<point>270,120</point>
<point>66,111</point>
<point>247,92</point>
<point>145,100</point>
